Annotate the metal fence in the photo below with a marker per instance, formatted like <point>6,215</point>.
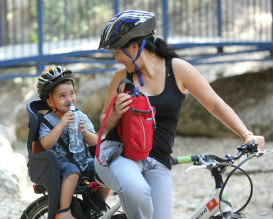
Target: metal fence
<point>43,31</point>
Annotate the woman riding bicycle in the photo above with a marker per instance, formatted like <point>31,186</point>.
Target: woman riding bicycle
<point>145,187</point>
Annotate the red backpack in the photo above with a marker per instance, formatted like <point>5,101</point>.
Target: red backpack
<point>135,128</point>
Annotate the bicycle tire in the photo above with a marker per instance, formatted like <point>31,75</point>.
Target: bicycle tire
<point>37,209</point>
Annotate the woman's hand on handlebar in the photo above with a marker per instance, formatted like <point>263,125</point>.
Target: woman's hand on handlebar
<point>255,139</point>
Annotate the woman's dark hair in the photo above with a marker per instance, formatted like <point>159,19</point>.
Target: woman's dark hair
<point>155,45</point>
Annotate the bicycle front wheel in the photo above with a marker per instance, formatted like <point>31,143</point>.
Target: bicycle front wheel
<point>37,209</point>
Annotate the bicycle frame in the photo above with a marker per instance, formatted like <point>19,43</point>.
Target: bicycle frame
<point>211,206</point>
<point>110,211</point>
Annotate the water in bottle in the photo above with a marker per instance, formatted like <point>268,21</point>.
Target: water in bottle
<point>76,144</point>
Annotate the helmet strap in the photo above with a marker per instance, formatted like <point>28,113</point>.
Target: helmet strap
<point>134,61</point>
<point>53,107</point>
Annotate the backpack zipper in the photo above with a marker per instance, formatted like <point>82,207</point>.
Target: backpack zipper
<point>143,130</point>
<point>140,111</point>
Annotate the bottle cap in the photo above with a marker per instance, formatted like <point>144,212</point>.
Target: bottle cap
<point>72,107</point>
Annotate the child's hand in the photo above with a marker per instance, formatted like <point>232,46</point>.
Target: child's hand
<point>83,128</point>
<point>89,138</point>
<point>67,118</point>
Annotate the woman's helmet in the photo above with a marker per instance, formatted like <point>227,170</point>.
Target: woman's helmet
<point>125,26</point>
<point>50,78</point>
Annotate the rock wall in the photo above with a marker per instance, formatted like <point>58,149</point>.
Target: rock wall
<point>250,95</point>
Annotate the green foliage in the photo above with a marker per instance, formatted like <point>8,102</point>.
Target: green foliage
<point>62,19</point>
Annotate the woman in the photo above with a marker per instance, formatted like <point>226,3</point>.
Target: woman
<point>145,187</point>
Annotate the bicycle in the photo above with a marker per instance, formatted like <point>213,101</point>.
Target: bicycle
<point>218,206</point>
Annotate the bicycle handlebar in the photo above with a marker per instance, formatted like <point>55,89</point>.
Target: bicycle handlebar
<point>208,161</point>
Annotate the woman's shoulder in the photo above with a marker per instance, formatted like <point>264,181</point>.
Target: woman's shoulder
<point>118,76</point>
<point>179,62</point>
<point>181,66</point>
<point>120,73</point>
<point>184,73</point>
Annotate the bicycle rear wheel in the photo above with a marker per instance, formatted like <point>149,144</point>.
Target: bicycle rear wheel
<point>37,209</point>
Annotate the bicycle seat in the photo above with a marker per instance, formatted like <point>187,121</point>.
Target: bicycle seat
<point>42,164</point>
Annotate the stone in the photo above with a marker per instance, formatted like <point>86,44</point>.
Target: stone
<point>249,95</point>
<point>13,169</point>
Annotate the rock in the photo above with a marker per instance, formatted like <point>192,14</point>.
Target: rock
<point>14,95</point>
<point>250,95</point>
<point>13,169</point>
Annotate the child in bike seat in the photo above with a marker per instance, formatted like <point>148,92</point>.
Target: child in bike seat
<point>56,87</point>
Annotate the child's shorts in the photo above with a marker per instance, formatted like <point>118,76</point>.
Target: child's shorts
<point>67,169</point>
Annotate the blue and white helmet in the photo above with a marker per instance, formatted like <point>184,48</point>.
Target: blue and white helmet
<point>125,26</point>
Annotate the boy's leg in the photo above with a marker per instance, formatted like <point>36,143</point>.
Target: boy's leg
<point>125,177</point>
<point>67,190</point>
<point>70,176</point>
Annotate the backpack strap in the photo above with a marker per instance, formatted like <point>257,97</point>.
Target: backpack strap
<point>102,128</point>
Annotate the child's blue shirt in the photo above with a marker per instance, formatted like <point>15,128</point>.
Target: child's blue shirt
<point>62,154</point>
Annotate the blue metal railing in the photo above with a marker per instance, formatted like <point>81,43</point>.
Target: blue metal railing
<point>49,31</point>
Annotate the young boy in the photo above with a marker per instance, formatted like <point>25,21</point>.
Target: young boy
<point>56,87</point>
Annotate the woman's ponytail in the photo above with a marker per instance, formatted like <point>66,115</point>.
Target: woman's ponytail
<point>164,50</point>
<point>156,45</point>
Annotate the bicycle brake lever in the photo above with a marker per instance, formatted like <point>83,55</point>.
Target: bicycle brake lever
<point>195,167</point>
<point>261,153</point>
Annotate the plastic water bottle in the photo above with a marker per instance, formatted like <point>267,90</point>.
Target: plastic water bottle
<point>75,138</point>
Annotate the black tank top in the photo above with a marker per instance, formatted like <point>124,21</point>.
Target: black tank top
<point>168,106</point>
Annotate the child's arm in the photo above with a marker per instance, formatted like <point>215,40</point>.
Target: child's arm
<point>52,137</point>
<point>90,138</point>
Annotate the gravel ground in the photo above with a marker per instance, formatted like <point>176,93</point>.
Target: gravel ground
<point>190,190</point>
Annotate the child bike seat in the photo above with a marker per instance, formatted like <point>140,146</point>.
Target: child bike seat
<point>42,164</point>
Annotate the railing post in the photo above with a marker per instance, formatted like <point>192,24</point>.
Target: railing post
<point>219,22</point>
<point>41,63</point>
<point>116,7</point>
<point>219,18</point>
<point>272,28</point>
<point>165,19</point>
<point>1,14</point>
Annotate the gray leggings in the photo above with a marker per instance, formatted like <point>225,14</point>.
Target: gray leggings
<point>144,187</point>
